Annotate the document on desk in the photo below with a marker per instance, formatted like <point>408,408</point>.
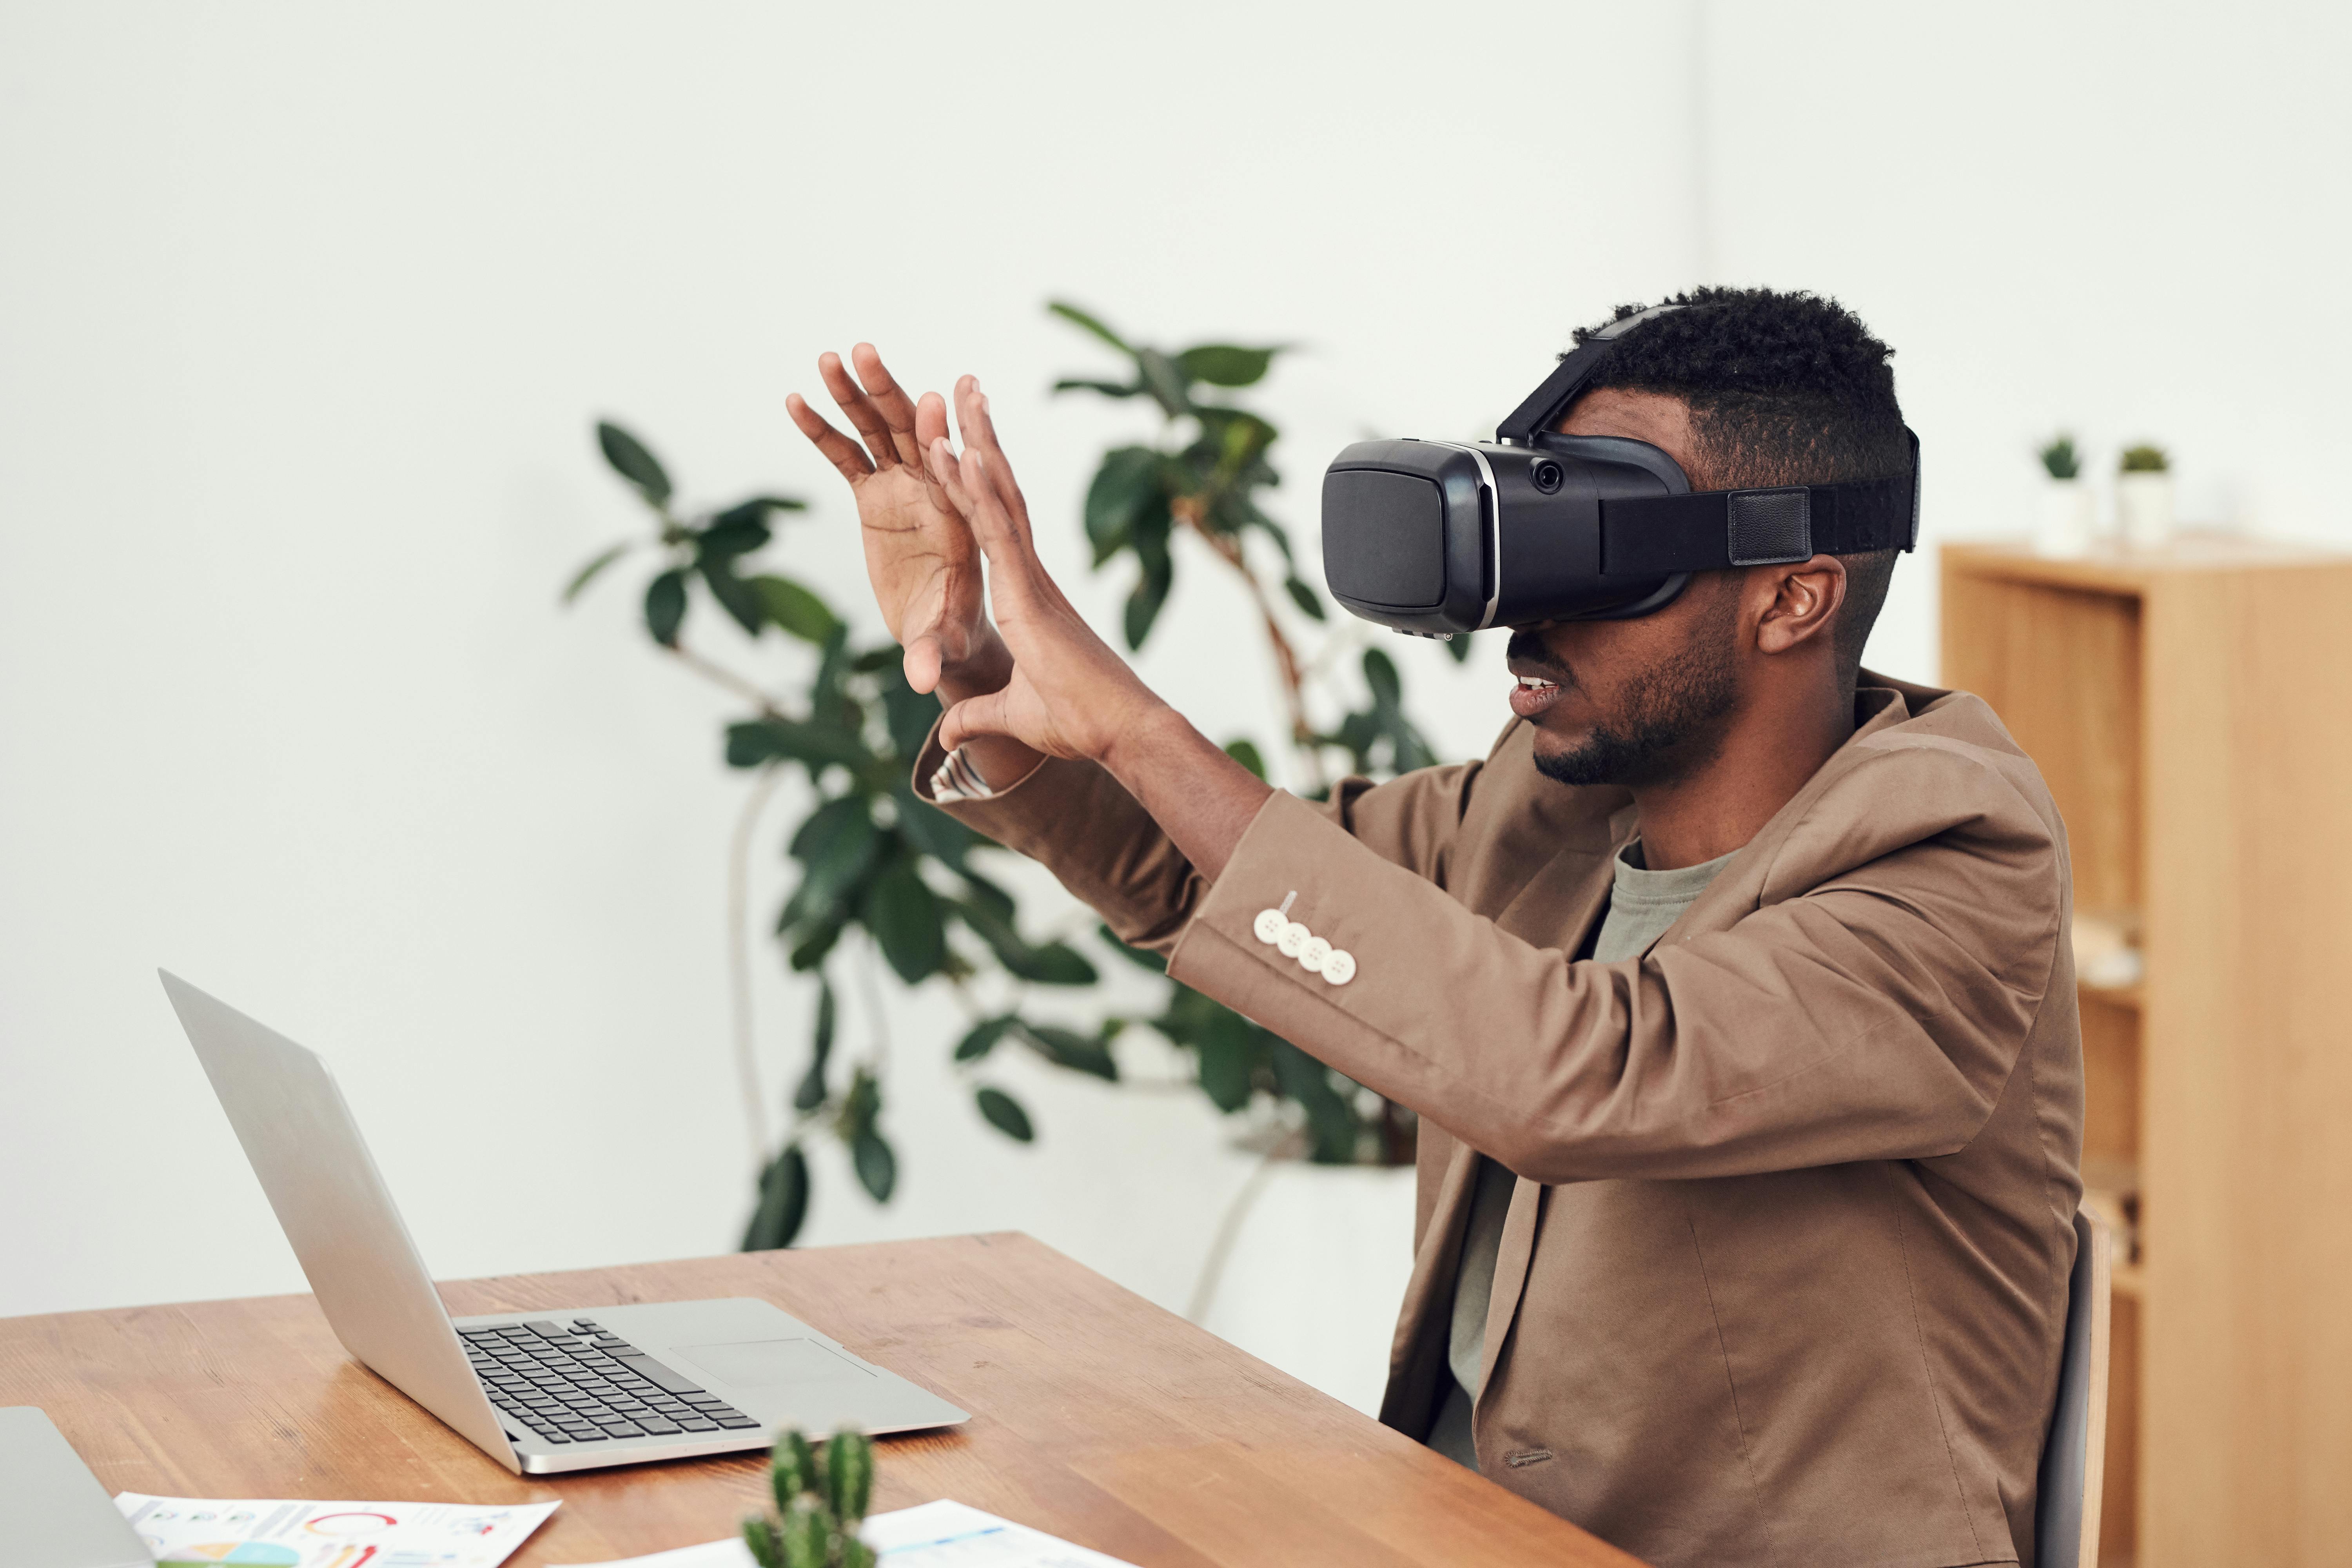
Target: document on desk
<point>940,1534</point>
<point>276,1532</point>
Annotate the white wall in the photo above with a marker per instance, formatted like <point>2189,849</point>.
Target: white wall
<point>307,314</point>
<point>2125,220</point>
<point>304,315</point>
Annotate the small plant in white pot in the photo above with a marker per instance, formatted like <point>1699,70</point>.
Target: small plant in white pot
<point>2066,510</point>
<point>2144,497</point>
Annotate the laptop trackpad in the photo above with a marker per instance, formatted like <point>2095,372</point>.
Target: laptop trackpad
<point>771,1363</point>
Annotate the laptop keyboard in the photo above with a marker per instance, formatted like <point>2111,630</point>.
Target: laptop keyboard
<point>581,1383</point>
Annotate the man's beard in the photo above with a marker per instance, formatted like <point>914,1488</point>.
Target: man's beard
<point>1669,719</point>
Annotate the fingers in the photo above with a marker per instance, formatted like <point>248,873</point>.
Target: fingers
<point>872,428</point>
<point>839,450</point>
<point>974,716</point>
<point>898,410</point>
<point>973,415</point>
<point>930,425</point>
<point>972,493</point>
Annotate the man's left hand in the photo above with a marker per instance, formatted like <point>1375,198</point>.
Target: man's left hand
<point>1070,694</point>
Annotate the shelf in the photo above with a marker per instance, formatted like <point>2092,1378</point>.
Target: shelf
<point>2131,1279</point>
<point>2131,996</point>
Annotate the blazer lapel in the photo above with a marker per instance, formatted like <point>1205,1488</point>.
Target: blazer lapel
<point>1511,1262</point>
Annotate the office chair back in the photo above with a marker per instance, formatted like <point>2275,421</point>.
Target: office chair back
<point>2074,1454</point>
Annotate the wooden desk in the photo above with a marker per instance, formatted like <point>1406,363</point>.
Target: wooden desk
<point>1096,1415</point>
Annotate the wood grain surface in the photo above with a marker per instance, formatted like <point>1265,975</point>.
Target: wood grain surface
<point>1096,1416</point>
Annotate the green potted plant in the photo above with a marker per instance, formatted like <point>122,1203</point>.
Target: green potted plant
<point>2066,510</point>
<point>820,1498</point>
<point>2144,497</point>
<point>892,890</point>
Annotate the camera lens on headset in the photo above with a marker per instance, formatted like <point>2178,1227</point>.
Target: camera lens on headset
<point>1547,476</point>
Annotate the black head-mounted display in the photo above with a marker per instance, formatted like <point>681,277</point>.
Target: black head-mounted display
<point>1440,536</point>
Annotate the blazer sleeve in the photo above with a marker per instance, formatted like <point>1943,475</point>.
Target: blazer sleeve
<point>1082,825</point>
<point>1869,1005</point>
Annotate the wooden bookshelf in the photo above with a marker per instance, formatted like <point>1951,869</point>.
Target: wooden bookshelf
<point>2192,709</point>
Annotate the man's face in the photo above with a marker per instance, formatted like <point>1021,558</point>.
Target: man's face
<point>1640,702</point>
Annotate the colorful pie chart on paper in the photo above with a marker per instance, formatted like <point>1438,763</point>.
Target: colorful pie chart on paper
<point>245,1553</point>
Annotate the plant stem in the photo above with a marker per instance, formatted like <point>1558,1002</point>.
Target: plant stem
<point>725,677</point>
<point>870,984</point>
<point>738,961</point>
<point>1191,511</point>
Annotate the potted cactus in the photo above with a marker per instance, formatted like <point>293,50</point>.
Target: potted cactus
<point>2066,513</point>
<point>821,1497</point>
<point>2144,497</point>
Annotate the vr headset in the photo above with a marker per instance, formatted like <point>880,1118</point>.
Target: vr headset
<point>1436,538</point>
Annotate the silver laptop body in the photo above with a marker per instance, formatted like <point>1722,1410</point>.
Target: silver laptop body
<point>569,1388</point>
<point>53,1512</point>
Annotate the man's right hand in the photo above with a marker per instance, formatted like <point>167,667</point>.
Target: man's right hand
<point>920,555</point>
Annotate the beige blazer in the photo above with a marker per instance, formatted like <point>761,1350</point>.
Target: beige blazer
<point>1784,1274</point>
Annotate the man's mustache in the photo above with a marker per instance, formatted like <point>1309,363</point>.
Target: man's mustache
<point>1526,647</point>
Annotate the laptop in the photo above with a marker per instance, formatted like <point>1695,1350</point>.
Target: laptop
<point>550,1390</point>
<point>53,1512</point>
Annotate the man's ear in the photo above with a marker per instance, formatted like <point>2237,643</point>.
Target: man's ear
<point>1804,602</point>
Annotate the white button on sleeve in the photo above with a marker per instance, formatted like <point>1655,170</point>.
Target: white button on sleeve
<point>1269,926</point>
<point>1315,955</point>
<point>1294,940</point>
<point>1340,967</point>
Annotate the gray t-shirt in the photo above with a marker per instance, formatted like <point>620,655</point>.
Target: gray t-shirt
<point>1642,905</point>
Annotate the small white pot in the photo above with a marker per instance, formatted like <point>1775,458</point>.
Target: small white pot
<point>2068,519</point>
<point>2144,508</point>
<point>1317,1272</point>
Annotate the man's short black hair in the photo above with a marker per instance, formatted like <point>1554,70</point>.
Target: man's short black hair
<point>1784,388</point>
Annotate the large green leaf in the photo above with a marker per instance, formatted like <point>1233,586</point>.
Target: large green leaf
<point>1303,597</point>
<point>665,606</point>
<point>811,1091</point>
<point>1070,313</point>
<point>1145,599</point>
<point>734,596</point>
<point>907,713</point>
<point>756,743</point>
<point>597,564</point>
<point>1459,647</point>
<point>1331,1121</point>
<point>1380,675</point>
<point>838,845</point>
<point>757,509</point>
<point>983,1036</point>
<point>930,829</point>
<point>904,916</point>
<point>633,462</point>
<point>730,535</point>
<point>783,1203</point>
<point>1107,388</point>
<point>814,947</point>
<point>1221,364</point>
<point>988,911</point>
<point>794,609</point>
<point>1004,1114</point>
<point>1228,1046</point>
<point>1143,958</point>
<point>1246,752</point>
<point>1130,483</point>
<point>878,1167</point>
<point>1069,1048</point>
<point>1166,380</point>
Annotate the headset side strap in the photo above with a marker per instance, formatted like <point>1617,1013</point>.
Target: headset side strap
<point>1648,536</point>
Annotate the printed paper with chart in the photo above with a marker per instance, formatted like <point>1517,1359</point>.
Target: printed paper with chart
<point>265,1532</point>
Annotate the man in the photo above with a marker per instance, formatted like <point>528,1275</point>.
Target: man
<point>1732,988</point>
